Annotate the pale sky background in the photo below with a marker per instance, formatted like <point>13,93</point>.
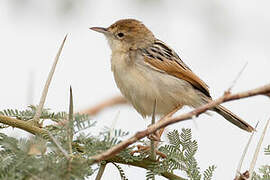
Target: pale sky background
<point>215,38</point>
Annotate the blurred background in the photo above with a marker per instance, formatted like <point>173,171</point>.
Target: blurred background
<point>215,38</point>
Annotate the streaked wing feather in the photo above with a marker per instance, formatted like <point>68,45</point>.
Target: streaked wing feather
<point>161,57</point>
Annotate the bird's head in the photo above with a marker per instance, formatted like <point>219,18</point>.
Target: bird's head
<point>127,34</point>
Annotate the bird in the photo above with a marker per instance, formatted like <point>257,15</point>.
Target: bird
<point>148,72</point>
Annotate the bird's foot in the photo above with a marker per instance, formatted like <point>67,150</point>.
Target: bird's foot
<point>154,136</point>
<point>146,149</point>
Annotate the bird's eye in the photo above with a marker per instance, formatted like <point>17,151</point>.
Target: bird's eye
<point>120,35</point>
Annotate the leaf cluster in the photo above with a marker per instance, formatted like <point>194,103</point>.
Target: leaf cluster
<point>180,152</point>
<point>36,158</point>
<point>30,112</point>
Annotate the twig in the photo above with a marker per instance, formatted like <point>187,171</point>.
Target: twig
<point>152,146</point>
<point>107,103</point>
<point>141,134</point>
<point>58,145</point>
<point>47,84</point>
<point>22,125</point>
<point>237,77</point>
<point>238,170</point>
<point>101,170</point>
<point>256,154</point>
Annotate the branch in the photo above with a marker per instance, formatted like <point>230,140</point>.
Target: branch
<point>167,121</point>
<point>146,163</point>
<point>17,123</point>
<point>107,103</point>
<point>101,171</point>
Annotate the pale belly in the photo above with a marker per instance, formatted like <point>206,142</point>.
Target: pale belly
<point>142,86</point>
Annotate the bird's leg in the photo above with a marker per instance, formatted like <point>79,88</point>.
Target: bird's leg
<point>160,131</point>
<point>156,136</point>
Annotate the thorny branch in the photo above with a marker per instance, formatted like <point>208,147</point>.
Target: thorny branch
<point>165,122</point>
<point>109,154</point>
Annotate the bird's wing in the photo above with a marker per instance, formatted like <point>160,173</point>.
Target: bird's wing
<point>161,57</point>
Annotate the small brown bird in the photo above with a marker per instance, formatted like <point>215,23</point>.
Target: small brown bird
<point>147,70</point>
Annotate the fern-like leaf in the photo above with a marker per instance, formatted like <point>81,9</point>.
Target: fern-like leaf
<point>121,172</point>
<point>150,175</point>
<point>208,173</point>
<point>174,138</point>
<point>267,150</point>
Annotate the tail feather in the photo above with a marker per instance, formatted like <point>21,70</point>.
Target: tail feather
<point>233,118</point>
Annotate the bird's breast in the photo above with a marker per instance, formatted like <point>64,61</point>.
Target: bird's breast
<point>142,85</point>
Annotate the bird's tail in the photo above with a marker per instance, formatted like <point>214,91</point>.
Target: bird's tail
<point>233,118</point>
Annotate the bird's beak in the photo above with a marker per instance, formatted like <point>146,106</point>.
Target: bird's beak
<point>99,29</point>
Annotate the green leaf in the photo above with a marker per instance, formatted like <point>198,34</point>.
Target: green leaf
<point>121,172</point>
<point>208,173</point>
